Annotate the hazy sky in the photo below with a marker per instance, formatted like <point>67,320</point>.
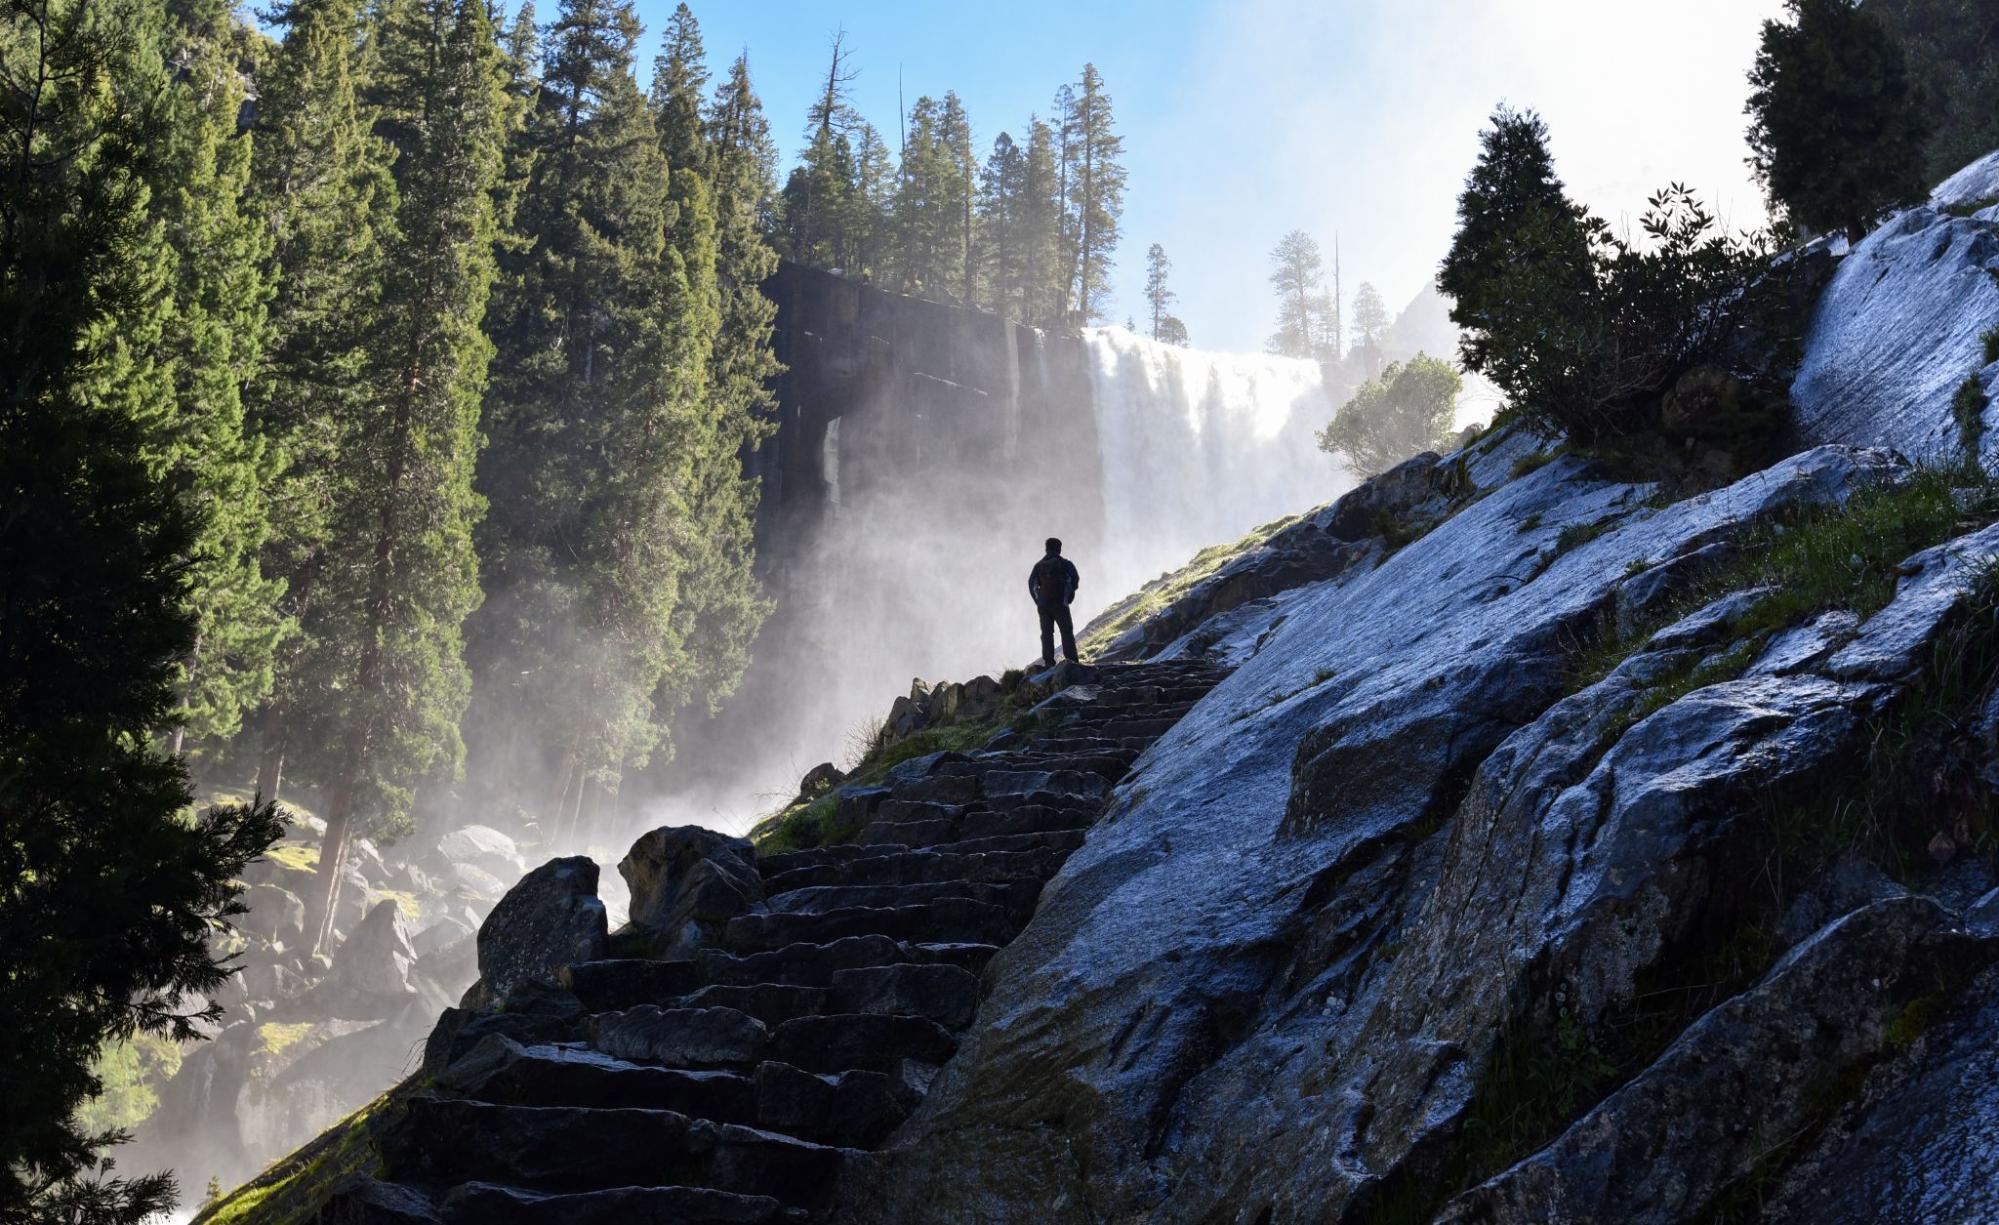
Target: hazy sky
<point>1247,118</point>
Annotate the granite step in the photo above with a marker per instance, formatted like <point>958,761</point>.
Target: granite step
<point>485,1203</point>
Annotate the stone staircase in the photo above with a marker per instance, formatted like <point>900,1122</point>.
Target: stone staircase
<point>733,1085</point>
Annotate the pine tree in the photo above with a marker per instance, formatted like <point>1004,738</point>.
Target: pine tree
<point>927,218</point>
<point>818,197</point>
<point>212,344</point>
<point>721,603</point>
<point>1157,296</point>
<point>1095,190</point>
<point>873,202</point>
<point>1297,274</point>
<point>320,183</point>
<point>1836,130</point>
<point>740,134</point>
<point>399,572</point>
<point>1515,224</point>
<point>1043,268</point>
<point>597,419</point>
<point>679,74</point>
<point>959,197</point>
<point>1370,326</point>
<point>1002,194</point>
<point>112,894</point>
<point>1063,151</point>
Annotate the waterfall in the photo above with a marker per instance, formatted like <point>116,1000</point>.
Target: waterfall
<point>935,450</point>
<point>1197,448</point>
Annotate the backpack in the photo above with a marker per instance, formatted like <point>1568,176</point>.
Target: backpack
<point>1053,578</point>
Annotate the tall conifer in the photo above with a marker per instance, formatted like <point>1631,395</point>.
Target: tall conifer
<point>212,344</point>
<point>598,387</point>
<point>724,604</point>
<point>112,895</point>
<point>399,571</point>
<point>321,185</point>
<point>1095,190</point>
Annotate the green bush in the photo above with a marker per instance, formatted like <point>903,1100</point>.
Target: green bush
<point>1583,330</point>
<point>1409,409</point>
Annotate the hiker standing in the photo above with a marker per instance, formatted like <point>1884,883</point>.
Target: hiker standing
<point>1053,583</point>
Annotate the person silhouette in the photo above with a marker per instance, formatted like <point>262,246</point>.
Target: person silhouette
<point>1053,583</point>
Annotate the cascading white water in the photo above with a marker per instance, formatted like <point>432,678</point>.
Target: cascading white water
<point>1197,448</point>
<point>934,509</point>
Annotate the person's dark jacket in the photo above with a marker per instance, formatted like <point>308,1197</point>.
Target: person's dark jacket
<point>1053,581</point>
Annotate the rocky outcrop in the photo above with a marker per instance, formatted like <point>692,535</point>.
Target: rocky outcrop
<point>1324,793</point>
<point>1361,528</point>
<point>1742,1080</point>
<point>311,1039</point>
<point>1916,1144</point>
<point>1508,873</point>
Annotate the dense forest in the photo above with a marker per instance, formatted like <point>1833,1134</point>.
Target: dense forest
<point>1030,232</point>
<point>395,367</point>
<point>378,380</point>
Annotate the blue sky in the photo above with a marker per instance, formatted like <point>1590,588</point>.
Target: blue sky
<point>1245,119</point>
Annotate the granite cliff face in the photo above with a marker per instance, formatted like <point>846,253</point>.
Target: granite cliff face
<point>1498,843</point>
<point>1399,881</point>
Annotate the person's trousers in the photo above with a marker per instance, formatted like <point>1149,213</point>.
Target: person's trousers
<point>1053,615</point>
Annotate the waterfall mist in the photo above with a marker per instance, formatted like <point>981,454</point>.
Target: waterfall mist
<point>928,453</point>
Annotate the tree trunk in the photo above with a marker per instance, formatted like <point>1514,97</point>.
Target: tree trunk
<point>553,813</point>
<point>574,815</point>
<point>333,844</point>
<point>271,765</point>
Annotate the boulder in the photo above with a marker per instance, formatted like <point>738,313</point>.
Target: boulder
<point>1916,1145</point>
<point>370,978</point>
<point>361,1200</point>
<point>363,854</point>
<point>472,879</point>
<point>818,781</point>
<point>483,847</point>
<point>272,911</point>
<point>350,900</point>
<point>1758,1068</point>
<point>1358,515</point>
<point>687,882</point>
<point>268,980</point>
<point>551,918</point>
<point>906,717</point>
<point>446,931</point>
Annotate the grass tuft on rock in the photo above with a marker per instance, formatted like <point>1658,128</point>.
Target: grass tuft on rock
<point>1163,591</point>
<point>292,1189</point>
<point>1967,408</point>
<point>1817,559</point>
